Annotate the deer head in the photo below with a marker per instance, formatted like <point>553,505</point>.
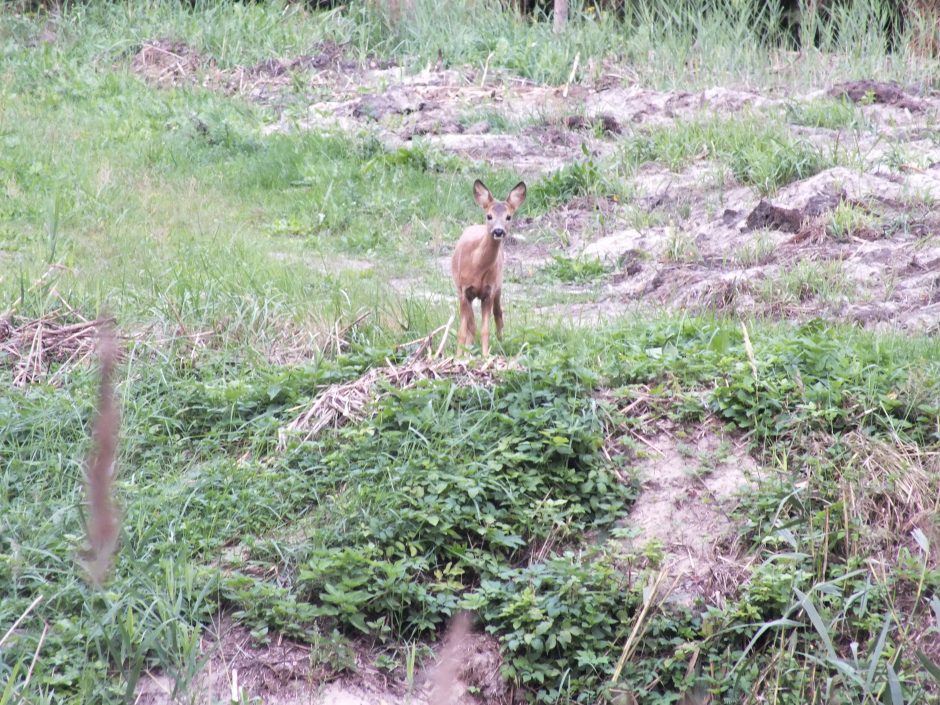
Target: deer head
<point>498,213</point>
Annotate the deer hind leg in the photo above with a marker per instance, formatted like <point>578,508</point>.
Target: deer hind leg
<point>498,314</point>
<point>486,310</point>
<point>467,331</point>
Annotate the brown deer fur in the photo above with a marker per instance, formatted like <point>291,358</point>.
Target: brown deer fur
<point>477,264</point>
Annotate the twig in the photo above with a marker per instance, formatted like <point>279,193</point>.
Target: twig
<point>440,348</point>
<point>630,644</point>
<point>646,442</point>
<point>486,69</point>
<point>20,619</point>
<point>362,316</point>
<point>423,338</point>
<point>32,665</point>
<point>574,70</point>
<point>748,348</point>
<point>234,685</point>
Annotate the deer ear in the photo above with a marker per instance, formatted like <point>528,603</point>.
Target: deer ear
<point>482,195</point>
<point>517,195</point>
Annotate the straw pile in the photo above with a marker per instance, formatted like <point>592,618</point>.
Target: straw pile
<point>31,346</point>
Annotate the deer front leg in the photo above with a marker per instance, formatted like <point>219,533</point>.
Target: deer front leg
<point>467,325</point>
<point>486,310</point>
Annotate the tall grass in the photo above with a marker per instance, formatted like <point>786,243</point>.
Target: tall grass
<point>661,43</point>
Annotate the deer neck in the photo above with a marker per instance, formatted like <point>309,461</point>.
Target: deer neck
<point>489,250</point>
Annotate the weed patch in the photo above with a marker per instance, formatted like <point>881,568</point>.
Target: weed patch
<point>575,270</point>
<point>761,155</point>
<point>584,178</point>
<point>828,113</point>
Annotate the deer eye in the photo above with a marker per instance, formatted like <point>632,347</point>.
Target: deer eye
<point>508,218</point>
<point>489,216</point>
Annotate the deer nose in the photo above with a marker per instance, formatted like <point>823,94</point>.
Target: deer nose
<point>498,232</point>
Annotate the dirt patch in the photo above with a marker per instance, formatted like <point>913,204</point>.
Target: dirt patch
<point>790,255</point>
<point>168,63</point>
<point>685,505</point>
<point>284,672</point>
<point>279,672</point>
<point>791,220</point>
<point>868,92</point>
<point>642,106</point>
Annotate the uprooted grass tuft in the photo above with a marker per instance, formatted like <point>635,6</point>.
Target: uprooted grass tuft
<point>350,401</point>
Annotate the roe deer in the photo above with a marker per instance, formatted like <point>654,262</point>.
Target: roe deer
<point>477,264</point>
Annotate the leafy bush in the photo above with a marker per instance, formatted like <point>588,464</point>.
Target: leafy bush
<point>558,623</point>
<point>450,485</point>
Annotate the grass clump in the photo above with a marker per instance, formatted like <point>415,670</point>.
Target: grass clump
<point>850,220</point>
<point>824,112</point>
<point>575,270</point>
<point>498,121</point>
<point>758,154</point>
<point>755,251</point>
<point>585,178</point>
<point>805,281</point>
<point>681,248</point>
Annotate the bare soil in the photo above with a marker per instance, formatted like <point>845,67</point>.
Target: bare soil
<point>465,671</point>
<point>688,495</point>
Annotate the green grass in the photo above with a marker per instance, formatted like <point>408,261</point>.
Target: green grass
<point>574,270</point>
<point>807,280</point>
<point>849,220</point>
<point>416,536</point>
<point>231,254</point>
<point>499,121</point>
<point>758,153</point>
<point>824,112</point>
<point>755,251</point>
<point>681,247</point>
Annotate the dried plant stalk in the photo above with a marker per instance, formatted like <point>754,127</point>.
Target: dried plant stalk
<point>103,522</point>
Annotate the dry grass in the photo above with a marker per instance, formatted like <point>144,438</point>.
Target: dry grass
<point>32,346</point>
<point>901,491</point>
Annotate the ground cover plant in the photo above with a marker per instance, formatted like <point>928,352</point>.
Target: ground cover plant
<point>251,260</point>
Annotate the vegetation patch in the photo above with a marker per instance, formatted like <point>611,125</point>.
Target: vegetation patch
<point>824,112</point>
<point>759,154</point>
<point>575,270</point>
<point>219,239</point>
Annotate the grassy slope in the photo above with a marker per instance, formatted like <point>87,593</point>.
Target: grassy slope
<point>223,229</point>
